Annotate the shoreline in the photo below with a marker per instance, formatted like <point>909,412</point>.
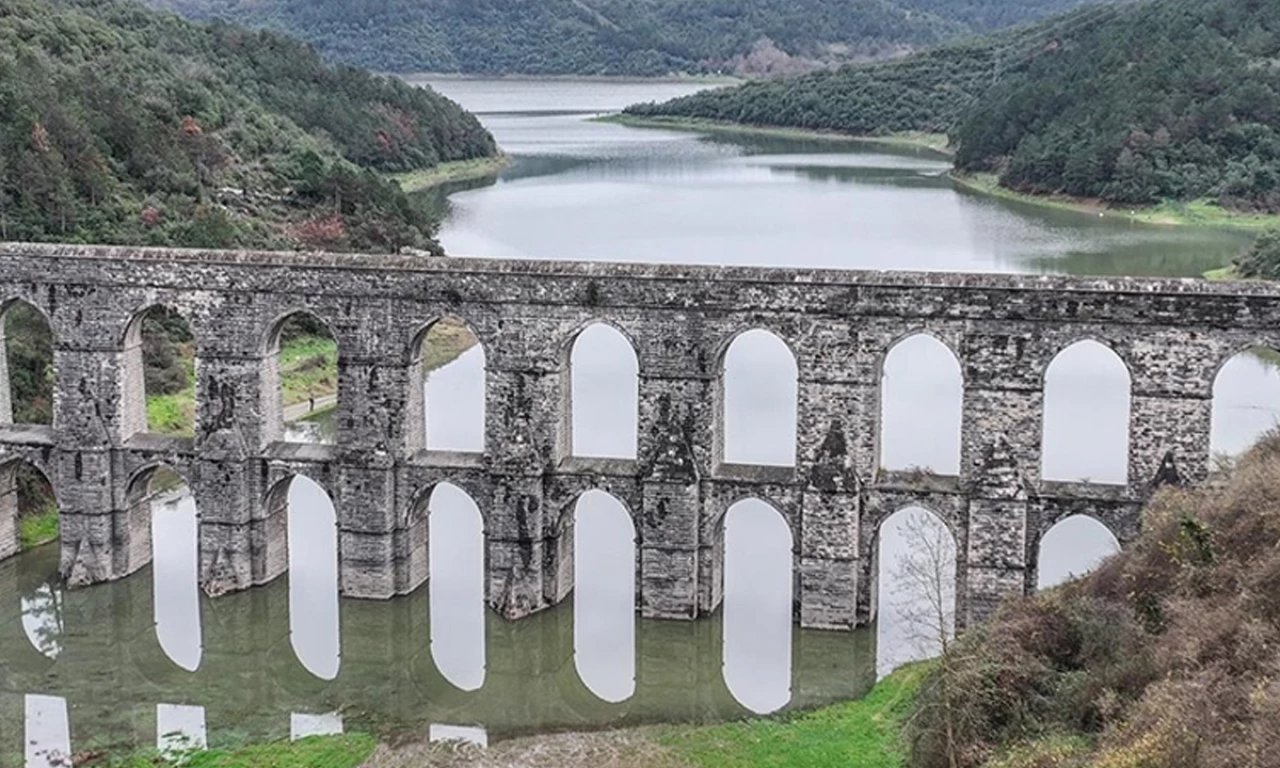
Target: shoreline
<point>1196,213</point>
<point>619,79</point>
<point>445,173</point>
<point>935,143</point>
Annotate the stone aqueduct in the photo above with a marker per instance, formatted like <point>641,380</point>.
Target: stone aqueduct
<point>1173,336</point>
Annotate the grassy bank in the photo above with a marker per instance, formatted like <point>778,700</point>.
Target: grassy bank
<point>38,528</point>
<point>462,170</point>
<point>1195,213</point>
<point>346,751</point>
<point>858,734</point>
<point>933,142</point>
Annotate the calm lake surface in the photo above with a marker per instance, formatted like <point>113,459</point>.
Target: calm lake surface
<point>148,660</point>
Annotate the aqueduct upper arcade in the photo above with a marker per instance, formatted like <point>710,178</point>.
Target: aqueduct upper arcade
<point>1172,335</point>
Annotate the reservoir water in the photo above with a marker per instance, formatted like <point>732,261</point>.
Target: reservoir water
<point>149,660</point>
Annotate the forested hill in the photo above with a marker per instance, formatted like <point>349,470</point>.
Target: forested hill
<point>616,37</point>
<point>1136,103</point>
<point>122,124</point>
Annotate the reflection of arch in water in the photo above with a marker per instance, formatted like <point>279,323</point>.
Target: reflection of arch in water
<point>270,393</point>
<point>438,344</point>
<point>1079,407</point>
<point>605,557</point>
<point>159,503</point>
<point>21,311</point>
<point>917,580</point>
<point>619,386</point>
<point>1091,539</point>
<point>133,386</point>
<point>900,403</point>
<point>301,538</point>
<point>758,604</point>
<point>31,618</point>
<point>1246,399</point>
<point>448,544</point>
<point>776,373</point>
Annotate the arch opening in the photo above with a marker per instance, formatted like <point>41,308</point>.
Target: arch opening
<point>758,395</point>
<point>758,605</point>
<point>456,586</point>
<point>602,395</point>
<point>1085,435</point>
<point>26,365</point>
<point>1071,548</point>
<point>28,508</point>
<point>164,530</point>
<point>310,557</point>
<point>916,587</point>
<point>1246,402</point>
<point>300,381</point>
<point>921,406</point>
<point>447,376</point>
<point>158,367</point>
<point>604,596</point>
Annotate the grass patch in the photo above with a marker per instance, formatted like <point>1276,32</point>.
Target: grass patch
<point>934,142</point>
<point>344,751</point>
<point>173,414</point>
<point>857,734</point>
<point>1196,213</point>
<point>459,170</point>
<point>308,368</point>
<point>39,528</point>
<point>1222,273</point>
<point>445,342</point>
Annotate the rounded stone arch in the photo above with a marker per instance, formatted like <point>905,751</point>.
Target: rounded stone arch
<point>10,465</point>
<point>6,393</point>
<point>270,397</point>
<point>414,350</point>
<point>1050,522</point>
<point>893,421</point>
<point>476,489</point>
<point>416,405</point>
<point>565,438</point>
<point>1048,525</point>
<point>721,349</point>
<point>1057,349</point>
<point>949,520</point>
<point>911,333</point>
<point>721,453</point>
<point>133,389</point>
<point>274,557</point>
<point>1108,463</point>
<point>790,513</point>
<point>271,338</point>
<point>569,339</point>
<point>137,512</point>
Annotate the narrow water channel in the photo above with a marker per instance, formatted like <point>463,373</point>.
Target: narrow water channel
<point>149,660</point>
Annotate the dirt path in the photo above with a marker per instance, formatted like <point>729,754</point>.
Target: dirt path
<point>298,410</point>
<point>607,749</point>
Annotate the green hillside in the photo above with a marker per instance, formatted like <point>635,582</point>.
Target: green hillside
<point>120,124</point>
<point>1136,104</point>
<point>633,37</point>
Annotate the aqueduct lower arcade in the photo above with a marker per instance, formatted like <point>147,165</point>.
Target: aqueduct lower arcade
<point>1004,330</point>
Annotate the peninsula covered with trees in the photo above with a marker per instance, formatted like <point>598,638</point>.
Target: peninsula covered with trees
<point>617,37</point>
<point>122,124</point>
<point>1133,104</point>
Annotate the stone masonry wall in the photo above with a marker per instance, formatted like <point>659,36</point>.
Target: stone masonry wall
<point>1005,330</point>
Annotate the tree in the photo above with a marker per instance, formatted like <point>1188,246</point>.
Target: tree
<point>1262,260</point>
<point>924,581</point>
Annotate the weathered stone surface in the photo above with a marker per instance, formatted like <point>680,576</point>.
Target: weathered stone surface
<point>1173,335</point>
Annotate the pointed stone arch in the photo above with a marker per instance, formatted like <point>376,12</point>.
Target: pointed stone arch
<point>273,407</point>
<point>26,396</point>
<point>620,376</point>
<point>920,402</point>
<point>751,356</point>
<point>439,343</point>
<point>1073,406</point>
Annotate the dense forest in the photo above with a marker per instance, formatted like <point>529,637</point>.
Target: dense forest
<point>616,37</point>
<point>122,124</point>
<point>1137,103</point>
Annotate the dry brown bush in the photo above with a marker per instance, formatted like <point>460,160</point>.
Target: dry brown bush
<point>1167,656</point>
